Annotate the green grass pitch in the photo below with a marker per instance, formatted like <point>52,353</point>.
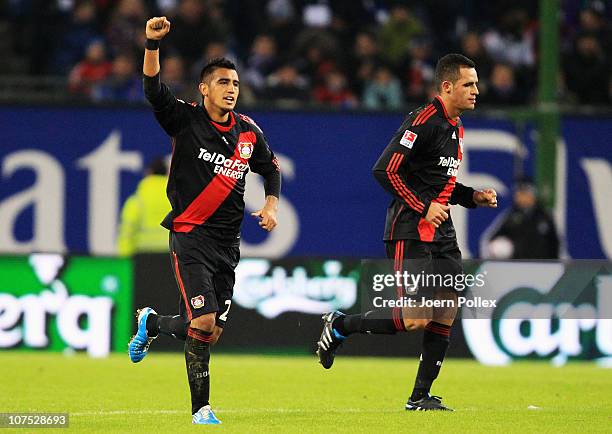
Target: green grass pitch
<point>287,394</point>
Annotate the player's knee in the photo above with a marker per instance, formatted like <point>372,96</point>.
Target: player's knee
<point>206,323</point>
<point>216,335</point>
<point>415,324</point>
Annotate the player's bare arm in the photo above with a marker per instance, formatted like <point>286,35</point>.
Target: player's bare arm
<point>156,29</point>
<point>267,215</point>
<point>486,198</point>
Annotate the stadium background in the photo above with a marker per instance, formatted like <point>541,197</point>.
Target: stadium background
<point>328,82</point>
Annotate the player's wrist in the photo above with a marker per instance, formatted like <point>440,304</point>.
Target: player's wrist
<point>425,208</point>
<point>152,44</point>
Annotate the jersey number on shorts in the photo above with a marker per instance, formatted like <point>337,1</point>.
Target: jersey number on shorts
<point>223,316</point>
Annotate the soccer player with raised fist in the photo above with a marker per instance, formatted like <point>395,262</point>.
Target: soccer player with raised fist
<point>213,149</point>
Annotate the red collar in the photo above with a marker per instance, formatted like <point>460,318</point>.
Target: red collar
<point>222,128</point>
<point>450,121</point>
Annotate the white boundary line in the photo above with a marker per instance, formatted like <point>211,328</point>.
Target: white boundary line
<point>229,410</point>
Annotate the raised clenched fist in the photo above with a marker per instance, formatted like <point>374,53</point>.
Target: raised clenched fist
<point>157,28</point>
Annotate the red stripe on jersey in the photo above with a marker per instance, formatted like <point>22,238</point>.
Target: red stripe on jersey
<point>398,185</point>
<point>450,121</point>
<point>213,195</point>
<point>276,164</point>
<point>396,182</point>
<point>420,115</point>
<point>400,267</point>
<point>427,116</point>
<point>223,128</point>
<point>392,167</point>
<point>392,162</point>
<point>180,284</point>
<point>426,229</point>
<point>396,313</point>
<point>248,119</point>
<point>423,113</point>
<point>407,194</point>
<point>396,264</point>
<point>398,162</point>
<point>401,208</point>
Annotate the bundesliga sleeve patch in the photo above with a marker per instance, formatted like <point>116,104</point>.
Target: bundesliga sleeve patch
<point>408,139</point>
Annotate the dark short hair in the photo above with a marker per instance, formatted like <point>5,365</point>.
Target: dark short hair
<point>213,65</point>
<point>448,68</point>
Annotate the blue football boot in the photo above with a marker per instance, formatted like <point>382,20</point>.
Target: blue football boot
<point>139,344</point>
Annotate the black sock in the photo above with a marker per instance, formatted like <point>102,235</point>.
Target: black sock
<point>197,357</point>
<point>173,326</point>
<point>435,343</point>
<point>152,327</point>
<point>384,321</point>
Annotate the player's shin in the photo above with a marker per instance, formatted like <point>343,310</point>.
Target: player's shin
<point>197,358</point>
<point>436,339</point>
<point>385,321</point>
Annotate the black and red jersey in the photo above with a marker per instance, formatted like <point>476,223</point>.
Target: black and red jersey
<point>209,164</point>
<point>420,166</point>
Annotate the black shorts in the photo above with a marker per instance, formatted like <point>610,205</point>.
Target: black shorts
<point>435,258</point>
<point>204,271</point>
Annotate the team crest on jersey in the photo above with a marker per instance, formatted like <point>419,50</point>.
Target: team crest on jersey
<point>245,149</point>
<point>408,139</point>
<point>197,302</point>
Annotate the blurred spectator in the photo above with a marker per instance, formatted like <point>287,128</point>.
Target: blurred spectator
<point>417,70</point>
<point>587,73</point>
<point>513,40</point>
<point>261,62</point>
<point>593,21</point>
<point>123,85</point>
<point>384,91</point>
<point>502,88</point>
<point>173,75</point>
<point>335,92</point>
<point>80,31</point>
<point>94,69</point>
<point>287,86</point>
<point>315,35</point>
<point>525,231</point>
<point>395,35</point>
<point>282,22</point>
<point>318,53</point>
<point>364,60</point>
<point>124,32</point>
<point>446,22</point>
<point>213,50</point>
<point>192,30</point>
<point>139,228</point>
<point>471,45</point>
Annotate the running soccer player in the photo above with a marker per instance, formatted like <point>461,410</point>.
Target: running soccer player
<point>419,168</point>
<point>213,148</point>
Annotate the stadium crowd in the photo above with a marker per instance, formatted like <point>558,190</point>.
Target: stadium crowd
<point>344,53</point>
